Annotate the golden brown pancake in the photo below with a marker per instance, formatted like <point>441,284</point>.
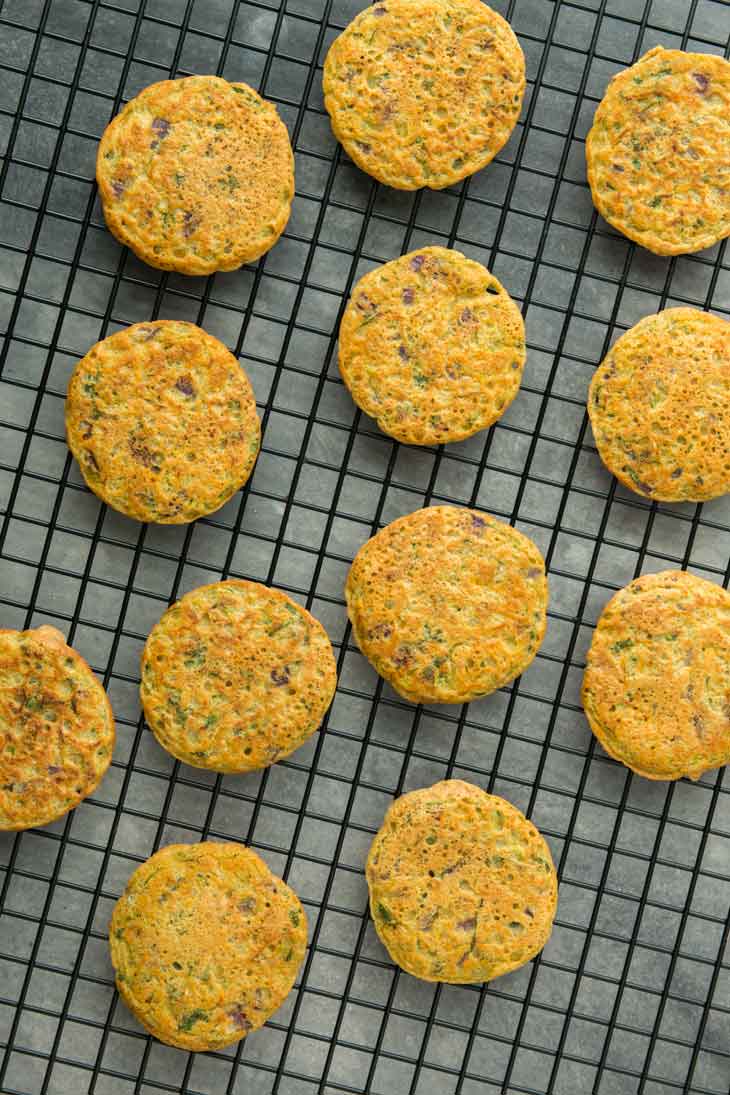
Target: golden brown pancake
<point>462,885</point>
<point>162,420</point>
<point>656,689</point>
<point>206,943</point>
<point>448,603</point>
<point>56,728</point>
<point>432,347</point>
<point>236,676</point>
<point>196,175</point>
<point>424,92</point>
<point>658,152</point>
<point>659,406</point>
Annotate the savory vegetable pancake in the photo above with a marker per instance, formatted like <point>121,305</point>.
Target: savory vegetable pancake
<point>56,728</point>
<point>196,175</point>
<point>659,406</point>
<point>448,604</point>
<point>658,153</point>
<point>424,92</point>
<point>162,420</point>
<point>236,676</point>
<point>656,689</point>
<point>432,347</point>
<point>462,886</point>
<point>206,943</point>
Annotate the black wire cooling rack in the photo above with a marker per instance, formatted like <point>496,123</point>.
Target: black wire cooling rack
<point>632,994</point>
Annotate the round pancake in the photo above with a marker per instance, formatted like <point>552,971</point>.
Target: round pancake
<point>196,175</point>
<point>206,943</point>
<point>659,150</point>
<point>236,676</point>
<point>56,728</point>
<point>656,689</point>
<point>162,420</point>
<point>424,92</point>
<point>448,604</point>
<point>659,406</point>
<point>432,347</point>
<point>462,886</point>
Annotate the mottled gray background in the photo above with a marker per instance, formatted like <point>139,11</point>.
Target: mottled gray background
<point>632,993</point>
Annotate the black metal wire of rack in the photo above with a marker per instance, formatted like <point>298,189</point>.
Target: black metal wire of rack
<point>632,994</point>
